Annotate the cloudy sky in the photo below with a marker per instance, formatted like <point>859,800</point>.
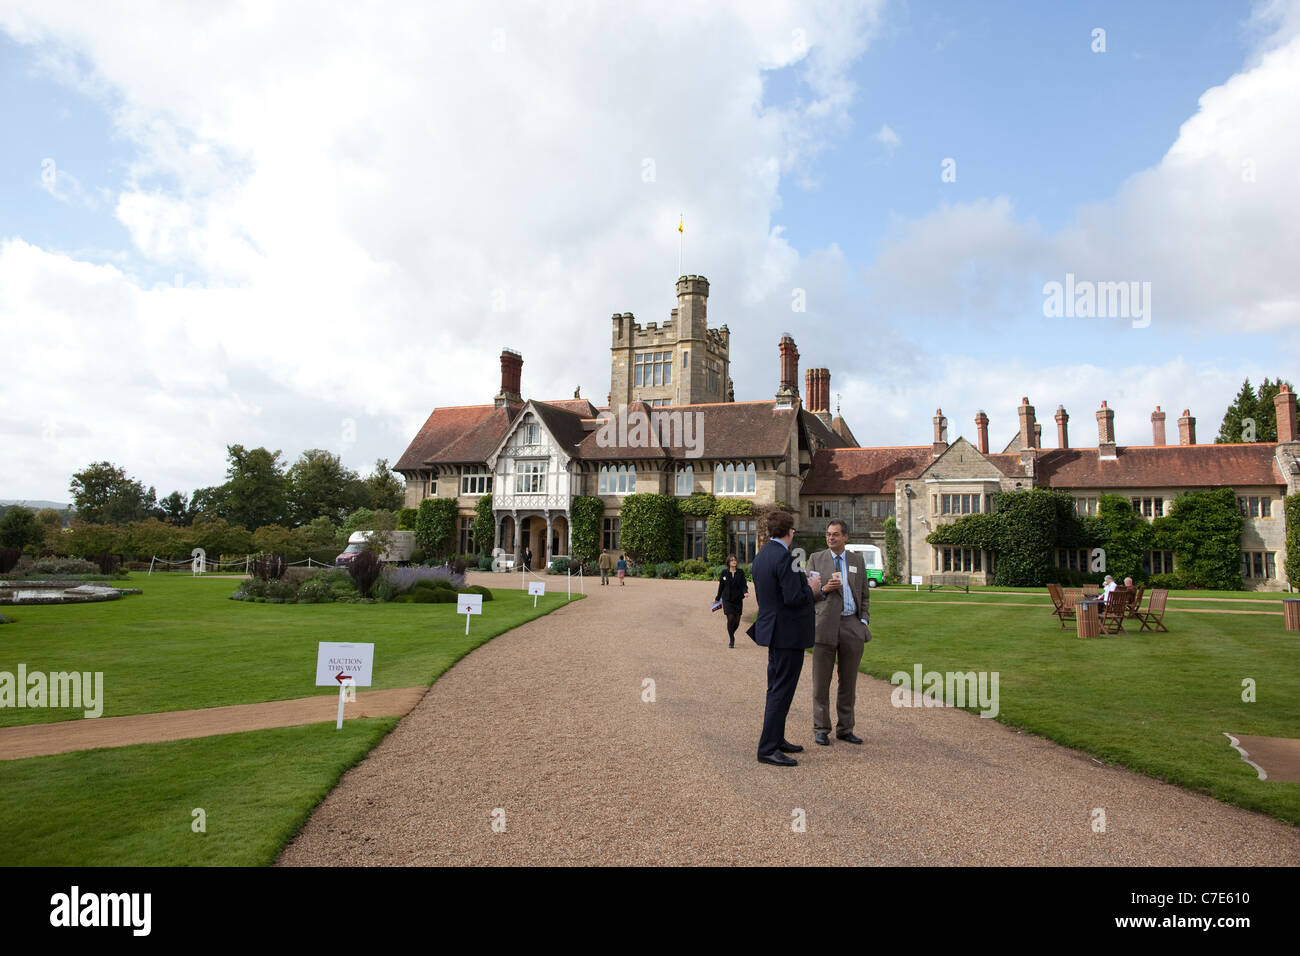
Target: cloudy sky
<point>265,224</point>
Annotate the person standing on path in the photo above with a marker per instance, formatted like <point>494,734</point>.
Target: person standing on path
<point>785,626</point>
<point>528,559</point>
<point>606,564</point>
<point>621,567</point>
<point>732,588</point>
<point>842,631</point>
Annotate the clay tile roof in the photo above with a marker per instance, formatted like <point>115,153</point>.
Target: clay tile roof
<point>863,471</point>
<point>579,405</point>
<point>1008,464</point>
<point>721,430</point>
<point>819,430</point>
<point>457,434</point>
<point>1158,466</point>
<point>565,423</point>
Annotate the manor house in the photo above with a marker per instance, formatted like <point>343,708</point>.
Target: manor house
<point>670,425</point>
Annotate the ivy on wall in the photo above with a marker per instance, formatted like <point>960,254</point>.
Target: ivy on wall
<point>435,525</point>
<point>1291,508</point>
<point>585,514</point>
<point>893,559</point>
<point>1203,528</point>
<point>484,525</point>
<point>651,528</point>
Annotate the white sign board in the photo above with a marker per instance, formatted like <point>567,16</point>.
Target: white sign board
<point>536,587</point>
<point>469,604</point>
<point>917,580</point>
<point>348,660</point>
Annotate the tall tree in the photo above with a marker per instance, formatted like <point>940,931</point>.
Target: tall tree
<point>385,491</point>
<point>1252,416</point>
<point>206,503</point>
<point>320,486</point>
<point>175,507</point>
<point>19,529</point>
<point>255,487</point>
<point>103,493</point>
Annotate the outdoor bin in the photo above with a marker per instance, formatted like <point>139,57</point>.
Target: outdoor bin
<point>1291,613</point>
<point>1087,619</point>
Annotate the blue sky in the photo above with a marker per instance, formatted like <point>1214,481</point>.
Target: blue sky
<point>261,228</point>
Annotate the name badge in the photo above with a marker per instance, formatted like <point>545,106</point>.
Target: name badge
<point>852,569</point>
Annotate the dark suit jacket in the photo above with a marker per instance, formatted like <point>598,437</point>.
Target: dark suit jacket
<point>731,591</point>
<point>830,604</point>
<point>786,618</point>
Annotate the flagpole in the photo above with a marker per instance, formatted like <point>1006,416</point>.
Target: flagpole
<point>681,248</point>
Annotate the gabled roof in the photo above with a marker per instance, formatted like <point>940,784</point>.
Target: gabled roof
<point>457,434</point>
<point>1161,466</point>
<point>564,424</point>
<point>721,430</point>
<point>820,431</point>
<point>863,471</point>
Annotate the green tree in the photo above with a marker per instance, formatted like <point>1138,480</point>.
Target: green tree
<point>363,519</point>
<point>435,527</point>
<point>176,508</point>
<point>20,529</point>
<point>320,486</point>
<point>893,553</point>
<point>206,502</point>
<point>1204,528</point>
<point>1128,537</point>
<point>584,532</point>
<point>485,525</point>
<point>102,493</point>
<point>1251,407</point>
<point>255,487</point>
<point>385,490</point>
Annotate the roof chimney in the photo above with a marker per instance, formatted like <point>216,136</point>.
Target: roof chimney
<point>1105,432</point>
<point>1062,431</point>
<point>982,431</point>
<point>1028,434</point>
<point>817,389</point>
<point>787,395</point>
<point>1284,402</point>
<point>940,434</point>
<point>512,364</point>
<point>1186,428</point>
<point>1157,427</point>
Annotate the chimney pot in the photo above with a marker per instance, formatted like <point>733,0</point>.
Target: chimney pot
<point>1158,427</point>
<point>1186,428</point>
<point>1285,404</point>
<point>982,432</point>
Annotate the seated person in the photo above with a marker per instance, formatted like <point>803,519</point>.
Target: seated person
<point>1107,587</point>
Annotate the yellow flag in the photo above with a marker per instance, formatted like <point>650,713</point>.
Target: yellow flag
<point>679,224</point>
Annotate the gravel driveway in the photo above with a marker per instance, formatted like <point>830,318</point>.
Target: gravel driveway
<point>544,730</point>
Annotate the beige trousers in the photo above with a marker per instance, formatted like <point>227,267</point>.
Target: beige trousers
<point>848,650</point>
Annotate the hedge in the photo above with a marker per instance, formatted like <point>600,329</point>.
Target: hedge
<point>1291,508</point>
<point>435,525</point>
<point>651,528</point>
<point>585,516</point>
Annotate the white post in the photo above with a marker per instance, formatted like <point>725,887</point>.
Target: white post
<point>342,693</point>
<point>152,559</point>
<point>569,576</point>
<point>582,588</point>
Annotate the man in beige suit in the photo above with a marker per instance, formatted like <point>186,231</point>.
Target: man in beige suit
<point>842,632</point>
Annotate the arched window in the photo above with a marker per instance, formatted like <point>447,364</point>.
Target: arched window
<point>751,479</point>
<point>685,480</point>
<point>617,480</point>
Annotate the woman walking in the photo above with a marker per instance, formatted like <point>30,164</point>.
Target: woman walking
<point>621,568</point>
<point>732,588</point>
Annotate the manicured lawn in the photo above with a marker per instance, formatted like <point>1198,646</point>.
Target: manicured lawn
<point>183,644</point>
<point>133,806</point>
<point>1155,703</point>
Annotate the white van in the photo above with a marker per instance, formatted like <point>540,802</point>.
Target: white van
<point>871,557</point>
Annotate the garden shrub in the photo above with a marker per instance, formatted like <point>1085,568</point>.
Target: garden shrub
<point>365,569</point>
<point>694,566</point>
<point>406,519</point>
<point>483,527</point>
<point>432,596</point>
<point>300,574</point>
<point>435,525</point>
<point>1204,530</point>
<point>404,579</point>
<point>585,514</point>
<point>383,589</point>
<point>9,559</point>
<point>559,566</point>
<point>647,571</point>
<point>267,567</point>
<point>893,552</point>
<point>315,591</point>
<point>418,556</point>
<point>478,589</point>
<point>666,569</point>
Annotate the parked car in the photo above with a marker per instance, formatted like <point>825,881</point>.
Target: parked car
<point>872,559</point>
<point>401,544</point>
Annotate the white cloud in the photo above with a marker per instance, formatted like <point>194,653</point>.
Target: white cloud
<point>353,192</point>
<point>888,137</point>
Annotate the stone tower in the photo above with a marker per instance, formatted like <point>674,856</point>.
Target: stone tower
<point>683,363</point>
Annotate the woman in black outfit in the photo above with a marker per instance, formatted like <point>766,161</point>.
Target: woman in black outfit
<point>732,588</point>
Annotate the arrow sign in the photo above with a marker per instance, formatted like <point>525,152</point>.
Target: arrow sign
<point>338,661</point>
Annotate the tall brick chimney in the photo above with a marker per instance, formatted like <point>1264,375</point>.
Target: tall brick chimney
<point>982,432</point>
<point>940,434</point>
<point>1157,427</point>
<point>1186,428</point>
<point>1062,429</point>
<point>512,364</point>
<point>1284,402</point>
<point>817,389</point>
<point>1105,432</point>
<point>787,394</point>
<point>1028,434</point>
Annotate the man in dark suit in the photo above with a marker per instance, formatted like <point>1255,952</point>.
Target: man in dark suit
<point>784,626</point>
<point>842,631</point>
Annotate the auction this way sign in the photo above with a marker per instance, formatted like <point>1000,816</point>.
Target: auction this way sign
<point>468,604</point>
<point>346,666</point>
<point>536,589</point>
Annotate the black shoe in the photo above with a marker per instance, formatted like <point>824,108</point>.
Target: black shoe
<point>821,738</point>
<point>850,737</point>
<point>788,748</point>
<point>732,644</point>
<point>778,759</point>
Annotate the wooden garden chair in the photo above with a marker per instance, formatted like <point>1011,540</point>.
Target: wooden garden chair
<point>1113,611</point>
<point>1154,616</point>
<point>1135,605</point>
<point>1058,599</point>
<point>1069,598</point>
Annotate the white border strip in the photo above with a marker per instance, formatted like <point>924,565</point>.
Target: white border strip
<point>1236,745</point>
